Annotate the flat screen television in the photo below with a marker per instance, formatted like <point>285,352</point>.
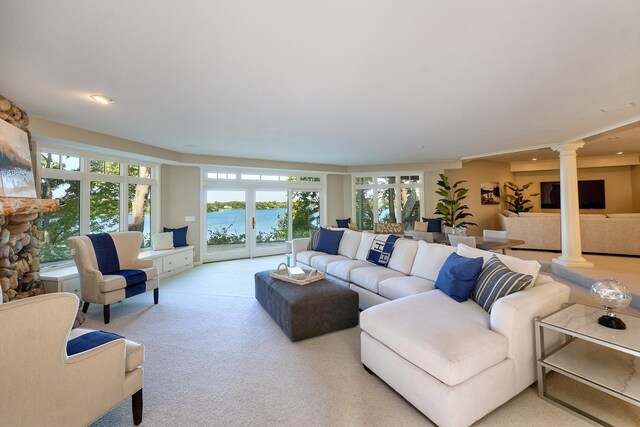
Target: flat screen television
<point>590,194</point>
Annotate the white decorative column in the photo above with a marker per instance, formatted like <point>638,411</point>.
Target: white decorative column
<point>570,208</point>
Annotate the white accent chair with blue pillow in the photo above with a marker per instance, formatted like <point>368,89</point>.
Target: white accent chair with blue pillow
<point>53,375</point>
<point>110,270</point>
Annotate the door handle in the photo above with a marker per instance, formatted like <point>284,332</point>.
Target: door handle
<point>253,222</point>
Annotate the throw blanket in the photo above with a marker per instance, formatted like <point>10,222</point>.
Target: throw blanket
<point>108,263</point>
<point>381,248</point>
<point>89,340</point>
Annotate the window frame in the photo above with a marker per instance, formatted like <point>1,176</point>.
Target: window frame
<point>85,177</point>
<point>375,186</point>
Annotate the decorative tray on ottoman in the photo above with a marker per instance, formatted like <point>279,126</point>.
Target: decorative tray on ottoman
<point>310,276</point>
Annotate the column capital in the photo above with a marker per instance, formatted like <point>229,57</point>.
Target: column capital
<point>569,146</point>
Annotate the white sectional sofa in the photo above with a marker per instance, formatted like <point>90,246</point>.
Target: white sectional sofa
<point>600,233</point>
<point>453,361</point>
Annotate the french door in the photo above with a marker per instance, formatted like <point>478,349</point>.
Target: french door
<point>246,223</point>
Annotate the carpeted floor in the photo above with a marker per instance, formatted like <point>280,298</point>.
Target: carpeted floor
<point>214,357</point>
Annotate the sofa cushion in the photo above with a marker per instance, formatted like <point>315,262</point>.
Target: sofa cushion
<point>429,259</point>
<point>403,255</point>
<point>518,265</point>
<point>306,256</point>
<point>451,341</point>
<point>398,287</point>
<point>321,262</point>
<point>369,277</point>
<point>342,269</point>
<point>349,243</point>
<point>365,245</point>
<point>421,226</point>
<point>496,281</point>
<point>458,275</point>
<point>381,249</point>
<point>329,241</point>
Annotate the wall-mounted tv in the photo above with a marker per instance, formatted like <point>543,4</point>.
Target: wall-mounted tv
<point>590,194</point>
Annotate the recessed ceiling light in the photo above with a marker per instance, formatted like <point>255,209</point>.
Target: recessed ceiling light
<point>534,159</point>
<point>102,99</point>
<point>421,146</point>
<point>619,152</point>
<point>617,107</point>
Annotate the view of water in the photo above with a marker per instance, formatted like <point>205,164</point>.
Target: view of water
<point>266,220</point>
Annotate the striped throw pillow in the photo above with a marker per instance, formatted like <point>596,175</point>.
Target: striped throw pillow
<point>496,281</point>
<point>313,239</point>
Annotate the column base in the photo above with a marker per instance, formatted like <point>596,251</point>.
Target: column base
<point>572,262</point>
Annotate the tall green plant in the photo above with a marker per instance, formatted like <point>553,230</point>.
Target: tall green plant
<point>516,202</point>
<point>450,207</point>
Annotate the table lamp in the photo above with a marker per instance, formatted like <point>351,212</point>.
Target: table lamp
<point>610,294</point>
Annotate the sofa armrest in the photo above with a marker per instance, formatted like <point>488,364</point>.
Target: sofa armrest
<point>142,263</point>
<point>298,245</point>
<point>513,316</point>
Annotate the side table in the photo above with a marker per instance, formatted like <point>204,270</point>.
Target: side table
<point>592,354</point>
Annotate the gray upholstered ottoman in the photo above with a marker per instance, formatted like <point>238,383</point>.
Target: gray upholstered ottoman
<point>310,310</point>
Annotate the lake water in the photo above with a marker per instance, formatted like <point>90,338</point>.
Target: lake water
<point>266,220</point>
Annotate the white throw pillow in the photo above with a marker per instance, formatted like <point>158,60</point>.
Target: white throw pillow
<point>429,259</point>
<point>518,265</point>
<point>349,243</point>
<point>162,241</point>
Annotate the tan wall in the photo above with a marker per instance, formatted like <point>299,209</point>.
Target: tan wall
<point>335,199</point>
<point>635,187</point>
<point>618,186</point>
<point>475,173</point>
<point>180,193</point>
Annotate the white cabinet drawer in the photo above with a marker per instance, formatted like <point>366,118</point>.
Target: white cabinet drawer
<point>182,259</point>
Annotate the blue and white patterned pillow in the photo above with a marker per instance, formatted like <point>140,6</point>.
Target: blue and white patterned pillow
<point>496,281</point>
<point>381,248</point>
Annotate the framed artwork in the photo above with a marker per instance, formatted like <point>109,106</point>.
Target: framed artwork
<point>16,171</point>
<point>490,193</point>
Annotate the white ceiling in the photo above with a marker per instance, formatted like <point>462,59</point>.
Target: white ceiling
<point>348,82</point>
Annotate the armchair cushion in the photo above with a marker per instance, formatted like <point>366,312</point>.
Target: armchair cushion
<point>89,340</point>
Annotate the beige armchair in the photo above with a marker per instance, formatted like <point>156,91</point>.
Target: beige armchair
<point>42,386</point>
<point>110,270</point>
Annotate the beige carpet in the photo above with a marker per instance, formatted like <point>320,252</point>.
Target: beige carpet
<point>215,358</point>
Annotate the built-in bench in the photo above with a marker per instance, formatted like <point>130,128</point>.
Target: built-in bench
<point>168,262</point>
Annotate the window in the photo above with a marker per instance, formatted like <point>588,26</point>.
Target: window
<point>305,212</point>
<point>387,198</point>
<point>96,195</point>
<point>64,223</point>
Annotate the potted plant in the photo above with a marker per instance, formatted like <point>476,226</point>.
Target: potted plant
<point>516,202</point>
<point>450,208</point>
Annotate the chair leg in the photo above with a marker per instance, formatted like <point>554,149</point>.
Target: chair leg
<point>156,294</point>
<point>107,313</point>
<point>85,307</point>
<point>136,407</point>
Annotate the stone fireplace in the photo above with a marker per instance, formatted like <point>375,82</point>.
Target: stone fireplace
<point>20,246</point>
<point>19,234</point>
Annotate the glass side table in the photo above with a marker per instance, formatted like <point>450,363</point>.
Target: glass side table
<point>599,357</point>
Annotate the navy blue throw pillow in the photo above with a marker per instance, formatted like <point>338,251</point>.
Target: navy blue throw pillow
<point>458,275</point>
<point>343,223</point>
<point>435,224</point>
<point>179,236</point>
<point>329,241</point>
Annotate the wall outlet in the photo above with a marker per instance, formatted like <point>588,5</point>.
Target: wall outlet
<point>189,219</point>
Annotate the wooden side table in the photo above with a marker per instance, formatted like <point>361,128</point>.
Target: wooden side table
<point>592,354</point>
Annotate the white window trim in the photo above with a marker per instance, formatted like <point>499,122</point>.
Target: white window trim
<point>397,187</point>
<point>85,177</point>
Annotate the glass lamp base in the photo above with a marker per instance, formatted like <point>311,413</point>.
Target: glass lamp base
<point>612,322</point>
